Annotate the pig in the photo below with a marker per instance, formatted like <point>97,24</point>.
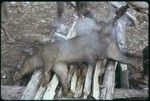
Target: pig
<point>82,48</point>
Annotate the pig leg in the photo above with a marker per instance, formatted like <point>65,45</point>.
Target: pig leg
<point>48,58</point>
<point>45,78</point>
<point>61,71</point>
<point>29,66</point>
<point>48,64</point>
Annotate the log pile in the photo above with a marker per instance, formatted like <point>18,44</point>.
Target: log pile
<point>84,82</point>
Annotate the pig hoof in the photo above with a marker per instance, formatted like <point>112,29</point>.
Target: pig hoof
<point>44,83</point>
<point>65,91</point>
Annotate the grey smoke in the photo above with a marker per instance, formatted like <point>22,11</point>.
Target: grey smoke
<point>84,26</point>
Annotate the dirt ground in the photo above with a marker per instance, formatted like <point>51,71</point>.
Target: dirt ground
<point>36,17</point>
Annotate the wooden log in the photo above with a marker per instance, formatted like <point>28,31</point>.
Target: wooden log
<point>72,32</point>
<point>68,98</point>
<point>12,92</point>
<point>108,84</point>
<point>40,93</point>
<point>59,32</point>
<point>124,77</point>
<point>15,92</point>
<point>103,65</point>
<point>72,98</point>
<point>73,82</point>
<point>130,93</point>
<point>32,86</point>
<point>80,82</point>
<point>88,81</point>
<point>62,29</point>
<point>50,92</point>
<point>98,69</point>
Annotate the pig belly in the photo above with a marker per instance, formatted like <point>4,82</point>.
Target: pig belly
<point>71,57</point>
<point>77,56</point>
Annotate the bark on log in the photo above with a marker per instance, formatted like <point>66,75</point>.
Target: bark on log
<point>50,92</point>
<point>11,92</point>
<point>107,88</point>
<point>32,87</point>
<point>129,93</point>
